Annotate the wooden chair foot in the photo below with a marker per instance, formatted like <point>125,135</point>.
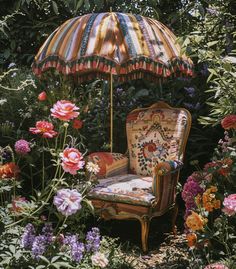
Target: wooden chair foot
<point>145,223</point>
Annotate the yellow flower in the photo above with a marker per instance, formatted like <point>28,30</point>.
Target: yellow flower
<point>209,199</point>
<point>195,222</point>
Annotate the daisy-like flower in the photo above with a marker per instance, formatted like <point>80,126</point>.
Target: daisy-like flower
<point>67,201</point>
<point>64,110</point>
<point>92,168</point>
<point>43,128</point>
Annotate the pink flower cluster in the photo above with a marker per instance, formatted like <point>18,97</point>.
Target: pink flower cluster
<point>72,160</point>
<point>22,147</point>
<point>64,110</point>
<point>230,205</point>
<point>190,191</point>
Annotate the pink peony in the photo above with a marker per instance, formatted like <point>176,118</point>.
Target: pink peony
<point>230,205</point>
<point>229,122</point>
<point>44,128</point>
<point>22,147</point>
<point>216,266</point>
<point>67,201</point>
<point>64,110</point>
<point>72,160</point>
<point>42,96</point>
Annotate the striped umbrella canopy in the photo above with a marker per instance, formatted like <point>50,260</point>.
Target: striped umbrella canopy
<point>126,46</point>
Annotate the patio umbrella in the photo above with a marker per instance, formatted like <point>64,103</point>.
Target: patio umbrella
<point>113,46</point>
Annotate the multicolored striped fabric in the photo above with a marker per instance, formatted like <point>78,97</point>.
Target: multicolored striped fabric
<point>126,45</point>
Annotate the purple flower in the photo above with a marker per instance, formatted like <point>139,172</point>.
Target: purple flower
<point>22,147</point>
<point>190,91</point>
<point>39,246</point>
<point>28,236</point>
<point>190,191</point>
<point>93,240</point>
<point>76,247</point>
<point>67,201</point>
<point>48,232</point>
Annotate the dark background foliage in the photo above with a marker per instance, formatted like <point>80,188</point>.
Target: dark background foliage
<point>206,30</point>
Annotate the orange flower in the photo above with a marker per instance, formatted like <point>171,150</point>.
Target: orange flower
<point>195,222</point>
<point>198,200</point>
<point>77,124</point>
<point>192,239</point>
<point>229,122</point>
<point>209,199</point>
<point>9,170</point>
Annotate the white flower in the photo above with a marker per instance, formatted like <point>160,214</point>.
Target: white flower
<point>3,101</point>
<point>99,259</point>
<point>11,65</point>
<point>92,167</point>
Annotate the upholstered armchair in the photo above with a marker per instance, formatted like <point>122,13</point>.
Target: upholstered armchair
<point>142,185</point>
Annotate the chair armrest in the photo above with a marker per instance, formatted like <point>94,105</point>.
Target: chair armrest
<point>165,179</point>
<point>110,164</point>
<point>167,167</point>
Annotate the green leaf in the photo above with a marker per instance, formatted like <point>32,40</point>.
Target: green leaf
<point>212,43</point>
<point>55,7</point>
<point>79,4</point>
<point>87,4</point>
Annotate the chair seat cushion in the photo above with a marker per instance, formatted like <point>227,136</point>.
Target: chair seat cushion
<point>129,188</point>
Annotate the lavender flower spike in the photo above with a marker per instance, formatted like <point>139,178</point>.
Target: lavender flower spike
<point>39,246</point>
<point>93,240</point>
<point>28,236</point>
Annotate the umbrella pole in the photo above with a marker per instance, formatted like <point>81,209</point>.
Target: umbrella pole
<point>111,113</point>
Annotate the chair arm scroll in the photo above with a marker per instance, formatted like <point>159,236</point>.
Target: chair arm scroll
<point>110,164</point>
<point>167,167</point>
<point>165,178</point>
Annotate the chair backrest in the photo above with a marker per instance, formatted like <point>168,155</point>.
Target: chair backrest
<point>155,134</point>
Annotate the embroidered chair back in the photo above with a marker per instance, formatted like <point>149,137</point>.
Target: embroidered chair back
<point>155,134</point>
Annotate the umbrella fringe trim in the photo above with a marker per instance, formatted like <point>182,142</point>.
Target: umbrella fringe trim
<point>175,66</point>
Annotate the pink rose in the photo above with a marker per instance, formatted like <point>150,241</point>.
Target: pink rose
<point>72,160</point>
<point>216,266</point>
<point>42,96</point>
<point>44,128</point>
<point>229,122</point>
<point>230,205</point>
<point>64,110</point>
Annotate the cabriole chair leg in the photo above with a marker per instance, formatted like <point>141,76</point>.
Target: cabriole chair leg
<point>145,223</point>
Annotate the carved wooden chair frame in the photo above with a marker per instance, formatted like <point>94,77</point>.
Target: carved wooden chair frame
<point>119,210</point>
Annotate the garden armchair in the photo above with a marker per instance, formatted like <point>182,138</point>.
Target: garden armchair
<point>142,185</point>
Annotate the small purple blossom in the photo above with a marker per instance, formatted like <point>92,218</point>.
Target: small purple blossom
<point>28,236</point>
<point>39,246</point>
<point>47,231</point>
<point>190,90</point>
<point>22,147</point>
<point>67,201</point>
<point>76,247</point>
<point>93,240</point>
